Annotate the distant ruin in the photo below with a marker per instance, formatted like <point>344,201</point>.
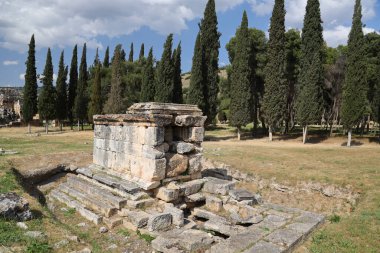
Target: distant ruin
<point>148,175</point>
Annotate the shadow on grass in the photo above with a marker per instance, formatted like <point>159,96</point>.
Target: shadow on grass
<point>354,143</point>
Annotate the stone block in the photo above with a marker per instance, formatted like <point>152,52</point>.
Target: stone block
<point>161,221</point>
<point>102,131</point>
<point>197,197</point>
<point>113,221</point>
<point>181,147</point>
<point>166,194</point>
<point>138,218</point>
<point>189,134</point>
<point>153,136</point>
<point>204,214</point>
<point>177,215</point>
<point>195,164</point>
<point>176,164</point>
<point>286,237</point>
<point>240,195</point>
<point>218,186</point>
<point>152,153</point>
<point>189,120</point>
<point>148,169</point>
<point>191,187</point>
<point>140,204</point>
<point>214,204</point>
<point>168,135</point>
<point>264,247</point>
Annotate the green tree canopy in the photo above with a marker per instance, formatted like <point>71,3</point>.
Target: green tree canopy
<point>164,76</point>
<point>147,89</point>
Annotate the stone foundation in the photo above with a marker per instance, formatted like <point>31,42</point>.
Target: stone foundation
<point>150,143</point>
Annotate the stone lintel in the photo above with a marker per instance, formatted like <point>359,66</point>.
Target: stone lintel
<point>165,109</point>
<point>141,118</point>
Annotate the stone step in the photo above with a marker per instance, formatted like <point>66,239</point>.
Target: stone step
<point>71,202</point>
<point>86,186</point>
<point>91,203</point>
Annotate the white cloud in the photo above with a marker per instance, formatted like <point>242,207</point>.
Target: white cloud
<point>22,76</point>
<point>336,15</point>
<point>9,62</point>
<point>60,22</point>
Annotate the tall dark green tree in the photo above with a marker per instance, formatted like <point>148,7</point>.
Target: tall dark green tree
<point>106,61</point>
<point>29,108</point>
<point>293,54</point>
<point>147,89</point>
<point>196,94</point>
<point>354,101</point>
<point>95,104</point>
<point>164,75</point>
<point>142,52</point>
<point>123,56</point>
<point>276,88</point>
<point>73,83</point>
<point>61,87</point>
<point>177,78</point>
<point>81,100</point>
<point>241,95</point>
<point>46,100</point>
<point>210,44</point>
<point>114,103</point>
<point>310,87</point>
<point>130,58</point>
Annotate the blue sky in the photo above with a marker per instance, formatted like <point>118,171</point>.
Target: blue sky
<point>61,24</point>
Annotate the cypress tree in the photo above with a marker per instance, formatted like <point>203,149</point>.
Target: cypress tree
<point>106,61</point>
<point>95,105</point>
<point>276,90</point>
<point>73,83</point>
<point>123,56</point>
<point>29,107</point>
<point>96,59</point>
<point>142,52</point>
<point>46,100</point>
<point>114,103</point>
<point>310,98</point>
<point>130,58</point>
<point>177,82</point>
<point>164,80</point>
<point>196,94</point>
<point>61,109</point>
<point>241,79</point>
<point>81,92</point>
<point>147,87</point>
<point>210,44</point>
<point>354,99</point>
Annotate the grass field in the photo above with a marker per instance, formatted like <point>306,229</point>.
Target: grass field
<point>325,160</point>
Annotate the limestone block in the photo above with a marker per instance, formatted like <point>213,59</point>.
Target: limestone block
<point>189,120</point>
<point>99,157</point>
<point>218,186</point>
<point>117,133</point>
<point>191,187</point>
<point>177,215</point>
<point>164,147</point>
<point>100,143</point>
<point>195,163</point>
<point>148,169</point>
<point>153,136</point>
<point>214,204</point>
<point>102,132</point>
<point>189,134</point>
<point>240,195</point>
<point>138,218</point>
<point>140,203</point>
<point>166,194</point>
<point>263,246</point>
<point>153,153</point>
<point>197,197</point>
<point>176,164</point>
<point>159,222</point>
<point>133,149</point>
<point>181,147</point>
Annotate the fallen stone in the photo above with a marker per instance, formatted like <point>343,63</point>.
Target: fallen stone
<point>35,234</point>
<point>166,194</point>
<point>14,207</point>
<point>222,227</point>
<point>285,237</point>
<point>138,218</point>
<point>176,164</point>
<point>197,197</point>
<point>113,221</point>
<point>141,203</point>
<point>85,250</point>
<point>61,244</point>
<point>218,186</point>
<point>204,214</point>
<point>214,204</point>
<point>240,195</point>
<point>85,172</point>
<point>182,147</point>
<point>177,215</point>
<point>264,247</point>
<point>191,187</point>
<point>159,222</point>
<point>195,163</point>
<point>103,230</point>
<point>22,225</point>
<point>272,222</point>
<point>73,238</point>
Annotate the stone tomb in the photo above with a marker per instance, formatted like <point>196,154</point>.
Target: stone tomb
<point>150,143</point>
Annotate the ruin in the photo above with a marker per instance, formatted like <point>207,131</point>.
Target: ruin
<point>148,175</point>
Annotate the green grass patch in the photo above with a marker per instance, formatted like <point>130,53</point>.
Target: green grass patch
<point>124,232</point>
<point>39,247</point>
<point>10,233</point>
<point>145,237</point>
<point>334,218</point>
<point>69,212</point>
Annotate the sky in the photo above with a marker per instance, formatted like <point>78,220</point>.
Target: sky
<point>60,24</point>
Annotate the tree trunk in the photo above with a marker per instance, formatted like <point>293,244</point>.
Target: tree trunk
<point>349,138</point>
<point>239,133</point>
<point>81,124</point>
<point>304,135</point>
<point>47,127</point>
<point>60,126</point>
<point>368,123</point>
<point>270,133</point>
<point>29,128</point>
<point>78,125</point>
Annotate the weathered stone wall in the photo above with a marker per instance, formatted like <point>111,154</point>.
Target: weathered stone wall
<point>151,142</point>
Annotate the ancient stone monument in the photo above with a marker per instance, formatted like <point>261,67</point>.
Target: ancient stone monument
<point>148,174</point>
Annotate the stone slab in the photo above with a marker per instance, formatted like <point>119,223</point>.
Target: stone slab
<point>218,186</point>
<point>161,221</point>
<point>265,247</point>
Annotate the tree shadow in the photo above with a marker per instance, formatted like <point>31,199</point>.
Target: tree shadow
<point>354,143</point>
